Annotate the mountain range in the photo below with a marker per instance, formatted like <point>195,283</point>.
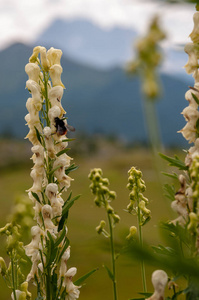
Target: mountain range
<point>97,101</point>
<point>87,43</point>
<point>102,48</point>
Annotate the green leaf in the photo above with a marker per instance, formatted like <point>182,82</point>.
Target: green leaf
<point>197,126</point>
<point>174,175</point>
<point>69,203</point>
<point>36,196</point>
<point>52,171</point>
<point>176,162</point>
<point>38,134</point>
<point>61,237</point>
<point>164,250</point>
<point>195,98</point>
<point>145,221</point>
<point>62,151</point>
<point>65,140</point>
<point>73,167</point>
<point>51,252</point>
<point>110,274</point>
<point>65,210</point>
<point>54,284</point>
<point>169,191</point>
<point>84,277</point>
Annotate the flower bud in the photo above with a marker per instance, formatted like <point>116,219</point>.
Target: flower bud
<point>3,267</point>
<point>100,227</point>
<point>192,226</point>
<point>132,232</point>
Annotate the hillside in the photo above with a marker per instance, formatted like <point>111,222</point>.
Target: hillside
<point>96,101</point>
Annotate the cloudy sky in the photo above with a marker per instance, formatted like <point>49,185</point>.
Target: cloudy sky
<point>24,20</point>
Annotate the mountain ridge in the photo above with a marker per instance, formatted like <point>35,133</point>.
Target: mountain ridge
<point>103,101</point>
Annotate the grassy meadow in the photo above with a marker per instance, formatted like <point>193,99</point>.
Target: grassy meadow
<point>88,249</point>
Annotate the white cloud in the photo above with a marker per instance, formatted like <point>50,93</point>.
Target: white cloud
<point>24,20</point>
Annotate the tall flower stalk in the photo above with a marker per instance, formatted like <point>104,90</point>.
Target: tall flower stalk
<point>148,58</point>
<point>103,197</point>
<point>49,249</point>
<point>137,206</point>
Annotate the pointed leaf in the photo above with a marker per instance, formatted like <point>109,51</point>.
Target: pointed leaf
<point>176,162</point>
<point>169,191</point>
<point>36,196</point>
<point>174,175</point>
<point>38,135</point>
<point>62,151</point>
<point>84,277</point>
<point>73,167</point>
<point>110,274</point>
<point>195,98</point>
<point>61,237</point>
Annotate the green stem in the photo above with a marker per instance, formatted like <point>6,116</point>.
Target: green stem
<point>13,278</point>
<point>143,273</point>
<point>46,98</point>
<point>113,257</point>
<point>48,285</point>
<point>152,125</point>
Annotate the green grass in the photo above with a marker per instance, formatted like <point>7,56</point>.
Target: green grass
<point>88,249</point>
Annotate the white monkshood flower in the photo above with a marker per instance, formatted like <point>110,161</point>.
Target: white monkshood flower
<point>43,57</point>
<point>49,142</point>
<point>55,95</point>
<point>37,175</point>
<point>189,132</point>
<point>31,248</point>
<point>47,217</point>
<point>19,295</point>
<point>35,54</point>
<point>63,265</point>
<point>34,89</point>
<point>51,191</point>
<point>192,50</point>
<point>71,289</point>
<point>32,136</point>
<point>38,156</point>
<point>34,270</point>
<point>54,56</point>
<point>195,33</point>
<point>55,74</point>
<point>159,280</point>
<point>192,153</point>
<point>33,113</point>
<point>182,212</point>
<point>190,99</point>
<point>33,71</point>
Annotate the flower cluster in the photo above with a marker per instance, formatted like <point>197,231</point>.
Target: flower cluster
<point>138,202</point>
<point>148,58</point>
<point>47,132</point>
<point>12,274</point>
<point>103,196</point>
